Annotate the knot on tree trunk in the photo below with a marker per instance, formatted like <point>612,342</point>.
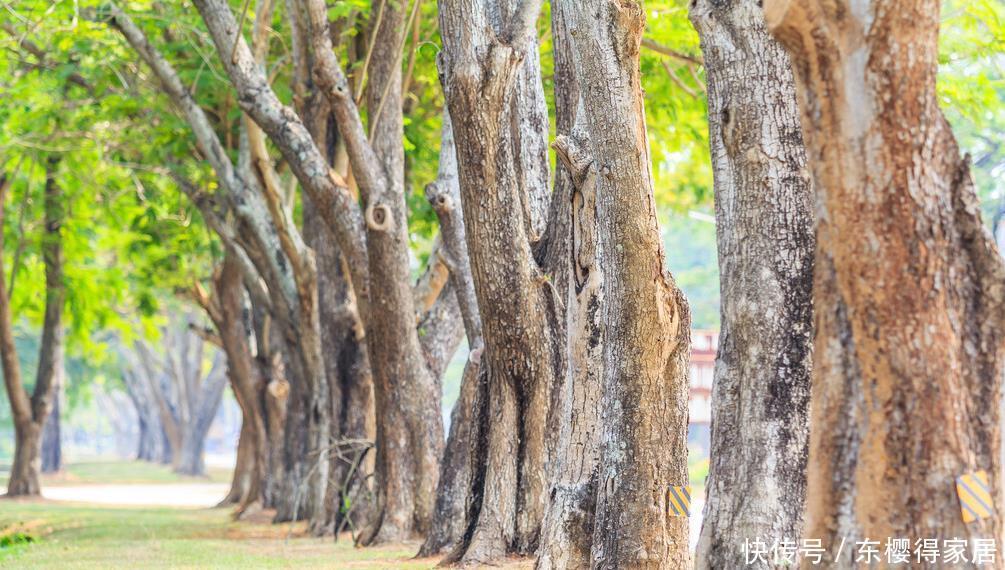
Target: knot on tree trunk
<point>439,198</point>
<point>573,157</point>
<point>379,218</point>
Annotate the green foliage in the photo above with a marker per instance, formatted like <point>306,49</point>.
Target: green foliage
<point>15,539</point>
<point>971,88</point>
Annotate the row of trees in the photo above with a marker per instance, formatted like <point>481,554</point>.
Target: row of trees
<point>846,223</point>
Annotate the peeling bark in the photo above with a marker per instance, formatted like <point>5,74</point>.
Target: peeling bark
<point>760,401</point>
<point>908,287</point>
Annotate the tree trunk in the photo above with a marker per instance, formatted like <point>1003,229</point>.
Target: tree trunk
<point>568,527</point>
<point>190,458</point>
<point>501,189</point>
<point>567,531</point>
<point>30,414</point>
<point>26,468</point>
<point>760,402</point>
<point>455,498</point>
<point>410,430</point>
<point>52,445</point>
<point>907,374</point>
<point>273,401</point>
<point>233,326</point>
<point>245,475</point>
<point>646,344</point>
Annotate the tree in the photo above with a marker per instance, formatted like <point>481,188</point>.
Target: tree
<point>186,399</point>
<point>152,443</point>
<point>907,374</point>
<point>760,401</point>
<point>504,196</point>
<point>31,413</point>
<point>646,345</point>
<point>267,239</point>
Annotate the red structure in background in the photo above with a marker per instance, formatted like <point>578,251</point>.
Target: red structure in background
<point>703,347</point>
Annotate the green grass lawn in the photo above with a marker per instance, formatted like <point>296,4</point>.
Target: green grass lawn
<point>65,535</point>
<point>113,472</point>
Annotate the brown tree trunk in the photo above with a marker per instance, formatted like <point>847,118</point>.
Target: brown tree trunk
<point>760,401</point>
<point>242,479</point>
<point>30,414</point>
<point>410,430</point>
<point>909,339</point>
<point>646,344</point>
<point>490,76</point>
<point>233,326</point>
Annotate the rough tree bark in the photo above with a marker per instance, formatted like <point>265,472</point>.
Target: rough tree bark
<point>406,375</point>
<point>30,413</point>
<point>489,69</point>
<point>908,284</point>
<point>646,343</point>
<point>760,401</point>
<point>266,237</point>
<point>567,530</point>
<point>568,526</point>
<point>348,502</point>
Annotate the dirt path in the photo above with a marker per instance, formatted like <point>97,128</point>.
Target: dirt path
<point>183,495</point>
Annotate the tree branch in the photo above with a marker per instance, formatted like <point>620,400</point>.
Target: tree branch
<point>659,48</point>
<point>327,189</point>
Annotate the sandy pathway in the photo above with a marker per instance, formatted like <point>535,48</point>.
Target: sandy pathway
<point>185,495</point>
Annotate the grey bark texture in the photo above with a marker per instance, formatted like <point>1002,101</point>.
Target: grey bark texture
<point>760,398</point>
<point>263,234</point>
<point>646,345</point>
<point>909,295</point>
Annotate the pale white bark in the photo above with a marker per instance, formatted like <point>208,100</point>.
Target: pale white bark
<point>760,400</point>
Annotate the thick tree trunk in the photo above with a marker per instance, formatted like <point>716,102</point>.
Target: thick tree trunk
<point>908,284</point>
<point>567,531</point>
<point>760,402</point>
<point>26,468</point>
<point>489,72</point>
<point>190,459</point>
<point>273,401</point>
<point>30,414</point>
<point>568,527</point>
<point>410,431</point>
<point>646,343</point>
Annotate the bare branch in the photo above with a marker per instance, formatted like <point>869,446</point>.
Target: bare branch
<point>659,48</point>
